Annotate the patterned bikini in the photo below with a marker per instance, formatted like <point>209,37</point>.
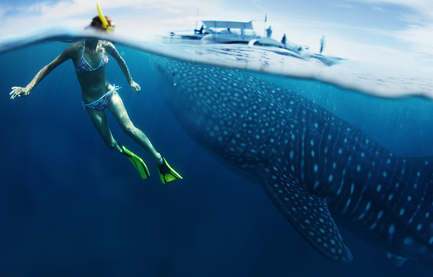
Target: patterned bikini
<point>83,65</point>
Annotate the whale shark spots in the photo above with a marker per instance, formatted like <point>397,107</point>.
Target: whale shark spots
<point>312,164</point>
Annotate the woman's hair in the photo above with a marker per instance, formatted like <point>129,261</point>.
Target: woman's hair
<point>97,23</point>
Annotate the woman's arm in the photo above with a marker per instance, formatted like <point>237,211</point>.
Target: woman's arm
<point>111,49</point>
<point>24,91</point>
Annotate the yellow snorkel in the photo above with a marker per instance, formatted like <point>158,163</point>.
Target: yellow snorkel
<point>101,16</point>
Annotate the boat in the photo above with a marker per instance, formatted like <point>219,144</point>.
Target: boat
<point>242,32</point>
<point>229,31</point>
<point>221,31</point>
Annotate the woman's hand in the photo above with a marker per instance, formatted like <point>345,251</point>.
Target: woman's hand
<point>136,87</point>
<point>18,92</point>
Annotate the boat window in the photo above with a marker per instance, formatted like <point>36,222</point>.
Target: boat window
<point>234,31</point>
<point>249,32</point>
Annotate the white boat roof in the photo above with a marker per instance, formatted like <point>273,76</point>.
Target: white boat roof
<point>227,24</point>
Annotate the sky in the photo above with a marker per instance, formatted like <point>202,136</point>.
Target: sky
<point>366,29</point>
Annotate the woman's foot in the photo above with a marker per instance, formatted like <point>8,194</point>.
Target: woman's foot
<point>137,162</point>
<point>166,173</point>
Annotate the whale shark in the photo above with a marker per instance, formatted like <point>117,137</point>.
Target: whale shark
<point>317,168</point>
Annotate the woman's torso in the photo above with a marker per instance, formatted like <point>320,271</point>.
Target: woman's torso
<point>90,70</point>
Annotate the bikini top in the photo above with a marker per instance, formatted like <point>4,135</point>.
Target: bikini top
<point>84,65</point>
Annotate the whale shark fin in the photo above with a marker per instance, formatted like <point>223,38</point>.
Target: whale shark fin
<point>308,214</point>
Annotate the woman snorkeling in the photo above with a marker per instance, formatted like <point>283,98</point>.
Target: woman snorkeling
<point>89,58</point>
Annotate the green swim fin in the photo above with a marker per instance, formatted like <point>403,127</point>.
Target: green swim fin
<point>137,162</point>
<point>167,173</point>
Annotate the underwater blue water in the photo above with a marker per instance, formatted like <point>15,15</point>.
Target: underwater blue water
<point>70,207</point>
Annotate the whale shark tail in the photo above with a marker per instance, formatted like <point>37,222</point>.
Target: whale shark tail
<point>307,213</point>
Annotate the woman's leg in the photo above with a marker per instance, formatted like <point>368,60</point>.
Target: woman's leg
<point>99,119</point>
<point>118,109</point>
